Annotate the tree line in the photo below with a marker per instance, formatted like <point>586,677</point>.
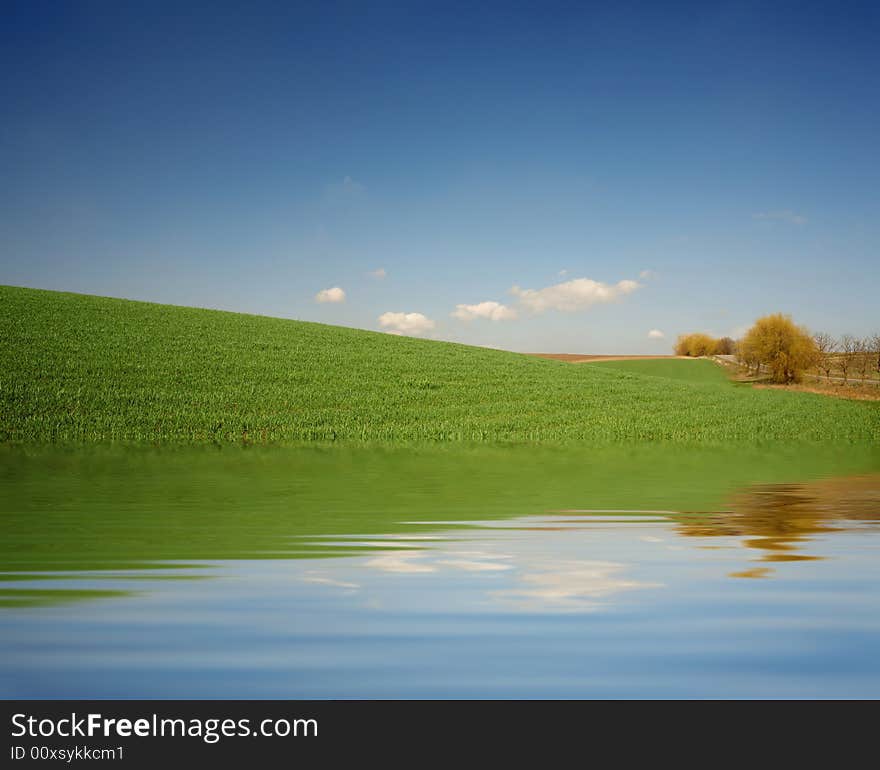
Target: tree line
<point>785,350</point>
<point>698,344</point>
<point>847,356</point>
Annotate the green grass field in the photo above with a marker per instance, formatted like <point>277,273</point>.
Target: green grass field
<point>696,370</point>
<point>78,368</point>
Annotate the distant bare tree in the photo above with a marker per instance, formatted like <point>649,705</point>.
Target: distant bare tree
<point>862,358</point>
<point>725,346</point>
<point>875,352</point>
<point>825,344</point>
<point>847,347</point>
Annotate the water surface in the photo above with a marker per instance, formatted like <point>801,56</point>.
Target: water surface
<point>431,572</point>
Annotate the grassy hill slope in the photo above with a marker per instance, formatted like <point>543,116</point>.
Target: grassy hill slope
<point>76,368</point>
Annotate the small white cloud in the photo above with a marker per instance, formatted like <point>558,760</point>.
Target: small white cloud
<point>330,295</point>
<point>414,324</point>
<point>781,216</point>
<point>562,273</point>
<point>573,295</point>
<point>378,274</point>
<point>494,311</point>
<point>648,275</point>
<point>656,334</point>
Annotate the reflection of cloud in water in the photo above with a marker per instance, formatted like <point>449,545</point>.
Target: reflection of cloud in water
<point>474,566</point>
<point>401,563</point>
<point>535,583</point>
<point>477,561</point>
<point>312,577</point>
<point>542,564</point>
<point>575,586</point>
<point>415,562</point>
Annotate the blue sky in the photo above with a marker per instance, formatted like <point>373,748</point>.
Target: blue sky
<point>720,159</point>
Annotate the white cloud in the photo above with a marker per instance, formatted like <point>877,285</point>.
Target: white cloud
<point>378,274</point>
<point>574,295</point>
<point>781,216</point>
<point>330,295</point>
<point>648,275</point>
<point>494,311</point>
<point>562,273</point>
<point>414,324</point>
<point>656,334</point>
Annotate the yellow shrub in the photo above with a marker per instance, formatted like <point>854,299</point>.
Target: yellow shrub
<point>781,346</point>
<point>695,345</point>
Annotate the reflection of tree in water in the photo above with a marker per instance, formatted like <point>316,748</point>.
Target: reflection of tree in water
<point>777,519</point>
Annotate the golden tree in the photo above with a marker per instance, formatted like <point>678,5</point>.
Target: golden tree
<point>695,345</point>
<point>781,346</point>
<point>747,356</point>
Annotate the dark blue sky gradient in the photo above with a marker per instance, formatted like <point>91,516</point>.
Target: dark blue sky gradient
<point>198,155</point>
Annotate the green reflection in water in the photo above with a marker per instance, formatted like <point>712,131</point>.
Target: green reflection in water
<point>39,597</point>
<point>81,512</point>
